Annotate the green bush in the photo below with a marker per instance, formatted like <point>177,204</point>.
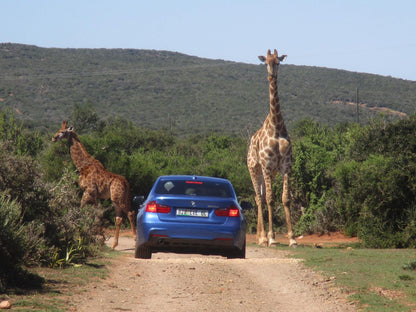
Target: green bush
<point>349,199</point>
<point>13,246</point>
<point>17,139</point>
<point>388,199</point>
<point>316,151</point>
<point>52,219</point>
<point>358,179</point>
<point>68,227</point>
<point>20,178</point>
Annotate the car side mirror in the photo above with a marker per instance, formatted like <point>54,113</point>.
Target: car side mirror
<point>245,205</point>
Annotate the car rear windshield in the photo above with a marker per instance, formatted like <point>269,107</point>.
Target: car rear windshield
<point>193,188</point>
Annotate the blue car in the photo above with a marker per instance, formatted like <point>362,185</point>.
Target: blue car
<point>191,214</point>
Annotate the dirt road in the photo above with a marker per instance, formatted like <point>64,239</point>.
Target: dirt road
<point>266,281</point>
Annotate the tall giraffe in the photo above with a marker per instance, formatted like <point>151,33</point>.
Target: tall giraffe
<point>96,182</point>
<point>270,152</point>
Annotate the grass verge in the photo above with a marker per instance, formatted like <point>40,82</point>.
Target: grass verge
<point>376,279</point>
<point>61,285</point>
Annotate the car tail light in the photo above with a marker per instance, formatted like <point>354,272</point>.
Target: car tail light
<point>157,208</point>
<point>231,211</point>
<point>234,212</point>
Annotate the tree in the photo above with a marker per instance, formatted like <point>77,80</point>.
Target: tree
<point>15,138</point>
<point>84,117</point>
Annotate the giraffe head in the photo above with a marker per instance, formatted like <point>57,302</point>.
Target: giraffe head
<point>272,61</point>
<point>64,132</point>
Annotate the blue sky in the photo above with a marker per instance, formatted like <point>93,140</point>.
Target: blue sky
<point>371,36</point>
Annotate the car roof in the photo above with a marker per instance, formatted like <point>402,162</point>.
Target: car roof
<point>193,177</point>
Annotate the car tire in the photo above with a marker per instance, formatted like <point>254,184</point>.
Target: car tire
<point>238,253</point>
<point>142,252</point>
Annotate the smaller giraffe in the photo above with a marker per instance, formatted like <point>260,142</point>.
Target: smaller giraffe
<point>96,182</point>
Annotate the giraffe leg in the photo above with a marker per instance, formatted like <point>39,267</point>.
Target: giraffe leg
<point>257,180</point>
<point>270,204</point>
<point>261,234</point>
<point>286,205</point>
<point>98,221</point>
<point>119,220</point>
<point>131,216</point>
<point>89,197</point>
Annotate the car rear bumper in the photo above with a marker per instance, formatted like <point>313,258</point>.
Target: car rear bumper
<point>191,239</point>
<point>185,245</point>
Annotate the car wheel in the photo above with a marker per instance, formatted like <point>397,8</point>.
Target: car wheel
<point>142,252</point>
<point>238,253</point>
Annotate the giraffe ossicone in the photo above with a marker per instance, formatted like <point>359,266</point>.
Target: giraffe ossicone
<point>270,152</point>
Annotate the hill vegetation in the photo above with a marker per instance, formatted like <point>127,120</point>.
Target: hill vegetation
<point>185,94</point>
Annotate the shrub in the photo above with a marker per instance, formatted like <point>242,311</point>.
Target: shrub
<point>68,227</point>
<point>316,151</point>
<point>19,176</point>
<point>379,199</point>
<point>13,246</point>
<point>51,218</point>
<point>15,138</point>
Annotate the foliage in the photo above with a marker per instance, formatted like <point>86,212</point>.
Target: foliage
<point>86,117</point>
<point>20,178</point>
<point>13,246</point>
<point>380,186</point>
<point>73,254</point>
<point>183,94</point>
<point>316,150</point>
<point>410,266</point>
<point>16,138</point>
<point>358,179</point>
<point>50,212</point>
<point>44,218</point>
<point>54,160</point>
<point>70,230</point>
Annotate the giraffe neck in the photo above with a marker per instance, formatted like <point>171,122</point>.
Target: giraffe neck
<point>79,154</point>
<point>275,116</point>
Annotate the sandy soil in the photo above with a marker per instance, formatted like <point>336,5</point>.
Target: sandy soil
<point>266,281</point>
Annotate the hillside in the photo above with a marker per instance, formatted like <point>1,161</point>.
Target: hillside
<point>161,89</point>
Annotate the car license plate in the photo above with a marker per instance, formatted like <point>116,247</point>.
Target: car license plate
<point>192,213</point>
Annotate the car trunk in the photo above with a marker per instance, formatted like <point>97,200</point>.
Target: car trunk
<point>188,210</point>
